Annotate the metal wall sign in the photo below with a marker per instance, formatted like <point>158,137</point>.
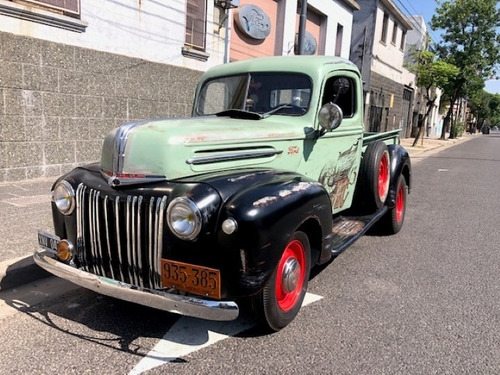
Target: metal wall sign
<point>253,22</point>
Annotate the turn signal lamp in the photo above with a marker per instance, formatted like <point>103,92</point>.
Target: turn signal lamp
<point>65,250</point>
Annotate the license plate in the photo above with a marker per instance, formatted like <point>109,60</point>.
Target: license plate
<point>190,278</point>
<point>48,241</point>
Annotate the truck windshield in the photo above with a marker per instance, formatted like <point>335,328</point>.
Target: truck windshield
<point>278,93</point>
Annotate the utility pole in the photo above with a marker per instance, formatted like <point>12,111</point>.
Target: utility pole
<point>302,27</point>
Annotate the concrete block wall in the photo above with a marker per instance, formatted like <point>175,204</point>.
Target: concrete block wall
<point>57,102</point>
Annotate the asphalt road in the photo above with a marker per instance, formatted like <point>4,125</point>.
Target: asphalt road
<point>426,301</point>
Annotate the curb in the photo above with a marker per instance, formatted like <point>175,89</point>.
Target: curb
<point>17,272</point>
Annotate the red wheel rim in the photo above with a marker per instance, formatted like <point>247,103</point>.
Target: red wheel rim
<point>383,177</point>
<point>290,276</point>
<point>400,204</point>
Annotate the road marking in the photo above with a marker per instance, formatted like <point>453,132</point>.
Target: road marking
<point>443,170</point>
<point>188,335</point>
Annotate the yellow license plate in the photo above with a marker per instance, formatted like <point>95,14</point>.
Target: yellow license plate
<point>190,278</point>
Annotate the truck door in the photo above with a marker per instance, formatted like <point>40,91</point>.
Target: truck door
<point>333,158</point>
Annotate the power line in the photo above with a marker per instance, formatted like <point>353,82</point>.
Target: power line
<point>412,15</point>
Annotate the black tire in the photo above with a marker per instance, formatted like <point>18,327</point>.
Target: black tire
<point>393,220</point>
<point>277,304</point>
<point>374,177</point>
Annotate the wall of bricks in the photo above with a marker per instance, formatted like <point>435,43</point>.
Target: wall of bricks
<point>383,86</point>
<point>57,102</point>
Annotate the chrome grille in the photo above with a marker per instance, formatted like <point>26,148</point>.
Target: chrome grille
<point>119,237</point>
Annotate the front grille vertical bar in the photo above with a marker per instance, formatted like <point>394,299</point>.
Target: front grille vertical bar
<point>154,262</point>
<point>140,266</point>
<point>151,243</point>
<point>135,265</point>
<point>160,211</point>
<point>100,256</point>
<point>118,240</point>
<point>106,219</point>
<point>92,225</point>
<point>79,224</point>
<point>128,234</point>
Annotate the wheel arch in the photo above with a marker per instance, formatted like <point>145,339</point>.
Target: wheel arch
<point>400,164</point>
<point>268,214</point>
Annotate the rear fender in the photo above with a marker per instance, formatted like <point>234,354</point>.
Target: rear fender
<point>400,164</point>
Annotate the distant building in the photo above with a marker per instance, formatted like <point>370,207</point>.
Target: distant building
<point>377,48</point>
<point>417,40</point>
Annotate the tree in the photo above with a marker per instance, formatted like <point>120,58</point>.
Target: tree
<point>470,42</point>
<point>431,74</point>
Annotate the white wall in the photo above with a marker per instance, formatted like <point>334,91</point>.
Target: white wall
<point>335,14</point>
<point>149,29</point>
<point>387,57</point>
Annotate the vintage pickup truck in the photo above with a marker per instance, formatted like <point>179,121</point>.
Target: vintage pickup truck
<point>272,175</point>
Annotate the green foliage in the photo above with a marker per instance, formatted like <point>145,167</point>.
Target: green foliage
<point>470,41</point>
<point>457,128</point>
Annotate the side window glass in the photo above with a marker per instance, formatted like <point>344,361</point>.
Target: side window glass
<point>340,91</point>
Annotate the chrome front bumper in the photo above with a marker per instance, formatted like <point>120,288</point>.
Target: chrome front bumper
<point>158,299</point>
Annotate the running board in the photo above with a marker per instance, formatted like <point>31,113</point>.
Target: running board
<point>347,229</point>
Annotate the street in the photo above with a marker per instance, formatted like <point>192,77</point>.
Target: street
<point>425,301</point>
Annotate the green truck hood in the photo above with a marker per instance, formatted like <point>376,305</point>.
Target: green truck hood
<point>176,148</point>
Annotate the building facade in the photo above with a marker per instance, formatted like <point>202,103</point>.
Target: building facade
<point>270,27</point>
<point>377,48</point>
<point>72,72</point>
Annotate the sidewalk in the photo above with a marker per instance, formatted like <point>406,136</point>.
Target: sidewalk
<point>429,146</point>
<point>25,208</point>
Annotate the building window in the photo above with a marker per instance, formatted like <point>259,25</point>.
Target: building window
<point>196,17</point>
<point>338,43</point>
<point>394,33</point>
<point>67,7</point>
<point>63,14</point>
<point>403,40</point>
<point>385,25</point>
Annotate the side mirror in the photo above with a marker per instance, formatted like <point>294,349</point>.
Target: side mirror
<point>330,116</point>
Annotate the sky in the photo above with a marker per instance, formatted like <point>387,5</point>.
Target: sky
<point>427,8</point>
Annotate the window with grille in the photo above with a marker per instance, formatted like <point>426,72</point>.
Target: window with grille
<point>196,17</point>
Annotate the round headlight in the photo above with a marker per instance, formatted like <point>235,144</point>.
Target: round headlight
<point>64,197</point>
<point>184,218</point>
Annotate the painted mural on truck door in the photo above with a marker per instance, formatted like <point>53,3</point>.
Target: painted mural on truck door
<point>333,158</point>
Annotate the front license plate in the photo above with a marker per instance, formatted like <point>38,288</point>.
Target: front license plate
<point>190,278</point>
<point>48,241</point>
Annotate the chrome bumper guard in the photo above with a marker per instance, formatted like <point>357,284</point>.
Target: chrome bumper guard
<point>158,299</point>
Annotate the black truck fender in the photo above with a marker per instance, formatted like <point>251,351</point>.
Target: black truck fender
<point>268,208</point>
<point>400,164</point>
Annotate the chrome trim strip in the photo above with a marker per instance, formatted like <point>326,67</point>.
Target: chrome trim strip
<point>129,239</point>
<point>106,200</point>
<point>140,265</point>
<point>118,241</point>
<point>233,156</point>
<point>159,299</point>
<point>150,242</point>
<point>157,264</point>
<point>120,142</point>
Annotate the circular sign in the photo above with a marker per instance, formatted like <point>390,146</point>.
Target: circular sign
<point>253,21</point>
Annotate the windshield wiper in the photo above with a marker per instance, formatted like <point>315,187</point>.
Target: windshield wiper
<point>241,114</point>
<point>284,106</point>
